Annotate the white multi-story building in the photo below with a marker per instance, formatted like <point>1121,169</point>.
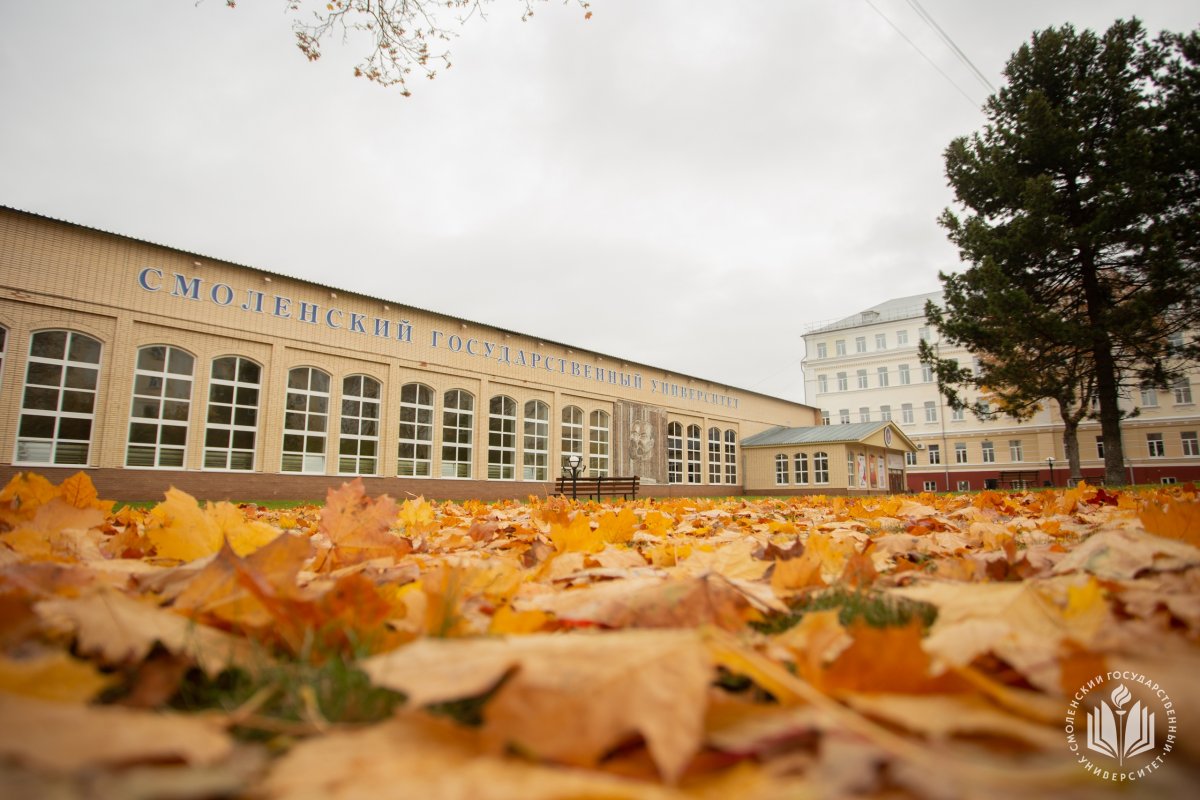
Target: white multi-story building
<point>865,368</point>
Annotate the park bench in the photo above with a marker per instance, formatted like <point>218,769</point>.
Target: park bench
<point>597,487</point>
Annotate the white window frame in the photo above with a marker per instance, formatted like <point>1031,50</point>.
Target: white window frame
<point>160,409</point>
<point>781,469</point>
<point>820,467</point>
<point>674,452</point>
<point>502,438</point>
<point>535,444</point>
<point>235,421</point>
<point>571,439</point>
<point>693,454</point>
<point>458,434</point>
<point>800,462</point>
<point>358,444</point>
<point>714,455</point>
<point>1155,447</point>
<point>731,469</point>
<point>73,394</point>
<point>306,415</point>
<point>599,443</point>
<point>414,446</point>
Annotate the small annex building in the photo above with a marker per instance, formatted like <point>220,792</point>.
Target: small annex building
<point>858,458</point>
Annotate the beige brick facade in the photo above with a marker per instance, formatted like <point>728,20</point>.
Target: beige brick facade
<point>128,295</point>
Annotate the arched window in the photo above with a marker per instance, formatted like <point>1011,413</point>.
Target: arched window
<point>59,402</point>
<point>801,462</point>
<point>572,432</point>
<point>693,454</point>
<point>820,467</point>
<point>536,444</point>
<point>731,456</point>
<point>781,469</point>
<point>599,443</point>
<point>162,401</point>
<point>358,447</point>
<point>458,431</point>
<point>232,427</point>
<point>674,453</point>
<point>502,438</point>
<point>414,457</point>
<point>714,455</point>
<point>305,420</point>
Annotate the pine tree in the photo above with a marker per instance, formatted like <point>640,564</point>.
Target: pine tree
<point>1080,224</point>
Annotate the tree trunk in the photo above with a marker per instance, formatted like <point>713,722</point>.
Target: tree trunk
<point>1070,439</point>
<point>1107,382</point>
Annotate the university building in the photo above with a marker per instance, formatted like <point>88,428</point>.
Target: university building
<point>150,367</point>
<point>865,368</point>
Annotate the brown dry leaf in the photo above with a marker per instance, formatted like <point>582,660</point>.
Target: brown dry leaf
<point>421,757</point>
<point>358,527</point>
<point>1122,553</point>
<point>1022,623</point>
<point>65,737</point>
<point>815,641</point>
<point>122,630</point>
<point>57,531</point>
<point>796,575</point>
<point>232,589</point>
<point>570,698</point>
<point>943,716</point>
<point>653,602</point>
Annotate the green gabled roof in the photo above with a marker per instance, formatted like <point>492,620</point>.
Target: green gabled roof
<point>820,434</point>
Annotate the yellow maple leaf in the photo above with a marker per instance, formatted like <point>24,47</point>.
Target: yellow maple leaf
<point>506,620</point>
<point>180,529</point>
<point>52,676</point>
<point>244,536</point>
<point>618,528</point>
<point>1173,519</point>
<point>22,495</point>
<point>417,515</point>
<point>577,536</point>
<point>79,491</point>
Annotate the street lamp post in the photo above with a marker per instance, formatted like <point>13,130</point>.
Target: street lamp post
<point>573,468</point>
<point>1050,464</point>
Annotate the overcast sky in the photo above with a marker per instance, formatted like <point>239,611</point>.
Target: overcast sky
<point>688,184</point>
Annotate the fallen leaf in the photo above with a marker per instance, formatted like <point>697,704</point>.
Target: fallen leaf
<point>66,737</point>
<point>569,698</point>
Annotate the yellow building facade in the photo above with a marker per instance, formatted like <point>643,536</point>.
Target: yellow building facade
<point>148,367</point>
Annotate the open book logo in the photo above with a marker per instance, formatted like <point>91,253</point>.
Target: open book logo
<point>1119,732</point>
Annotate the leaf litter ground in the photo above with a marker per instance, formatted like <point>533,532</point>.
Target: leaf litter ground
<point>901,646</point>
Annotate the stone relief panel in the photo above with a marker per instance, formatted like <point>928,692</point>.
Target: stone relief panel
<point>640,442</point>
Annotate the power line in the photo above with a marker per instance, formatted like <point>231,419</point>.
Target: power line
<point>932,23</point>
<point>913,45</point>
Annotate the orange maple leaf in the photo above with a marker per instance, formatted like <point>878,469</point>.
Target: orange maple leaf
<point>1173,519</point>
<point>358,527</point>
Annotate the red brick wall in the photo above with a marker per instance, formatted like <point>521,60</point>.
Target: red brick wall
<point>128,485</point>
